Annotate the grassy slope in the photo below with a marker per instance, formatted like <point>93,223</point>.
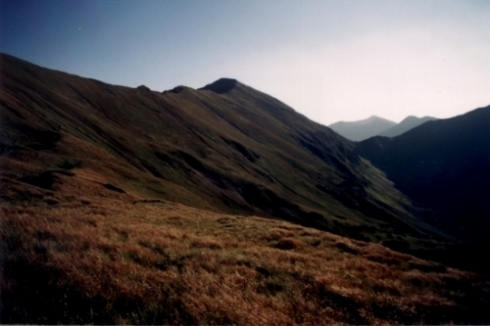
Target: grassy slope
<point>113,260</point>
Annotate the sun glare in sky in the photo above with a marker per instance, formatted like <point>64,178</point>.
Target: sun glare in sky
<point>329,60</point>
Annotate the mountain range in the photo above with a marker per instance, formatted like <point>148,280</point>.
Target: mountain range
<point>223,205</point>
<point>228,147</point>
<point>375,126</point>
<point>225,147</point>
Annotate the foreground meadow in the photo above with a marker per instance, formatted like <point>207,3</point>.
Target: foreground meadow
<point>155,262</point>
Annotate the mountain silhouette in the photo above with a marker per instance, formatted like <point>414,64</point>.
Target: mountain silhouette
<point>362,129</point>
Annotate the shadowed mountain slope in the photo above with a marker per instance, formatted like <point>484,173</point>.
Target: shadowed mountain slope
<point>362,129</point>
<point>443,166</point>
<point>404,126</point>
<point>226,147</point>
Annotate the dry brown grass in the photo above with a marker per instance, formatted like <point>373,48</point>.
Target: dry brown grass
<point>111,261</point>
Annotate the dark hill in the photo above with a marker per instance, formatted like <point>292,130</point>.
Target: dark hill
<point>443,166</point>
<point>226,147</point>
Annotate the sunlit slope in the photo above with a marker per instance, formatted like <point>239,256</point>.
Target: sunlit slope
<point>116,261</point>
<point>226,147</point>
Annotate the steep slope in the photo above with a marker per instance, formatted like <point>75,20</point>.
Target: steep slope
<point>362,129</point>
<point>226,147</point>
<point>443,166</point>
<point>408,123</point>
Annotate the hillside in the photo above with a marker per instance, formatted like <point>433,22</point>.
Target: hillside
<point>114,261</point>
<point>444,167</point>
<point>225,147</point>
<point>362,129</point>
<point>405,125</point>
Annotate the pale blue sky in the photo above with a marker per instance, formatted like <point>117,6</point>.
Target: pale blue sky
<point>330,60</point>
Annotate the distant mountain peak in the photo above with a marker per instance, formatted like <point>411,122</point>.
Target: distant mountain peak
<point>362,129</point>
<point>221,86</point>
<point>372,119</point>
<point>412,118</point>
<point>405,125</point>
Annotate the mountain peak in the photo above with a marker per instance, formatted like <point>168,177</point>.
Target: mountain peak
<point>411,118</point>
<point>362,129</point>
<point>221,86</point>
<point>373,119</point>
<point>405,125</point>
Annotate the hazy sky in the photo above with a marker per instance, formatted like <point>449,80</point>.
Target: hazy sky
<point>330,60</point>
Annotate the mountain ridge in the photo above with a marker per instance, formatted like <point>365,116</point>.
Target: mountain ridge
<point>204,149</point>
